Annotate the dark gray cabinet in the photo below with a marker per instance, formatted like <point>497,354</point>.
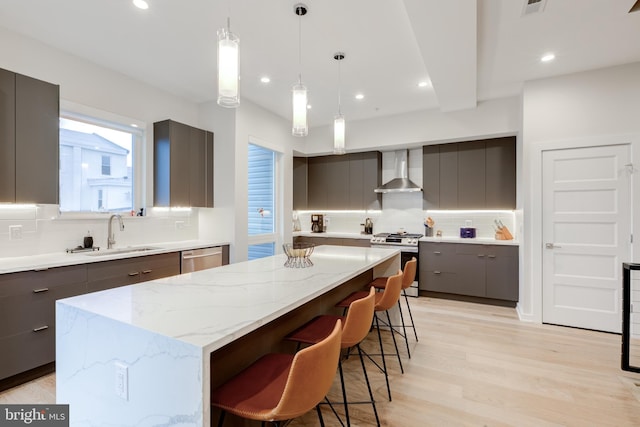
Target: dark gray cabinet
<point>338,182</point>
<point>27,315</point>
<point>29,139</point>
<point>115,273</point>
<point>470,175</point>
<point>339,241</point>
<point>300,169</point>
<point>183,165</point>
<point>487,271</point>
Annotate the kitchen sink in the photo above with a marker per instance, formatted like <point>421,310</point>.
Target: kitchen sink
<point>123,250</point>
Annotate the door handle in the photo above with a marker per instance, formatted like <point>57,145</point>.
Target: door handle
<point>551,246</point>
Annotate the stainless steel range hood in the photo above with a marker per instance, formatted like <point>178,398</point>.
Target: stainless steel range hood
<point>401,183</point>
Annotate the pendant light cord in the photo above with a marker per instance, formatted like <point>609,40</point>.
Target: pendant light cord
<point>339,86</point>
<point>300,48</point>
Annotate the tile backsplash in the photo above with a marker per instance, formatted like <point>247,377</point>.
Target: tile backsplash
<point>42,229</point>
<point>403,211</point>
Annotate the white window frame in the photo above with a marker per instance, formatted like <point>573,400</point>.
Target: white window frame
<point>82,113</point>
<point>276,236</point>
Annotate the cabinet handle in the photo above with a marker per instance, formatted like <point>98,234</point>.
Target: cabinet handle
<point>37,291</point>
<point>480,255</point>
<point>437,252</point>
<point>436,272</point>
<point>41,328</point>
<point>146,271</point>
<point>491,256</point>
<point>41,269</point>
<point>134,274</point>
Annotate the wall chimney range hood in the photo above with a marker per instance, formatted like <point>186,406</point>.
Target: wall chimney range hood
<point>401,183</point>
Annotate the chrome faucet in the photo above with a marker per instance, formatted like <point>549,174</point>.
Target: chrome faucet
<point>111,238</point>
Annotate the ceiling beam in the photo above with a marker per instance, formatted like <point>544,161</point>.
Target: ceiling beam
<point>446,34</point>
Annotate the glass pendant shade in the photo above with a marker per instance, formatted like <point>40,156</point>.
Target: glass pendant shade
<point>299,110</point>
<point>338,134</point>
<point>228,69</point>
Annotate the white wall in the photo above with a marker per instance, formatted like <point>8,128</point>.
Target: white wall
<point>250,123</point>
<point>601,104</point>
<point>497,117</point>
<point>90,89</point>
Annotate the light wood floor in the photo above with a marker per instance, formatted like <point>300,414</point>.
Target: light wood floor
<point>478,365</point>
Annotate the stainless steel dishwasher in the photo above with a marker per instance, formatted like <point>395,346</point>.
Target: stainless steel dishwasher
<point>201,259</point>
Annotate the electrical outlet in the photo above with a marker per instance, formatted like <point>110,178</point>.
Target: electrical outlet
<point>15,232</point>
<point>179,225</point>
<point>122,380</point>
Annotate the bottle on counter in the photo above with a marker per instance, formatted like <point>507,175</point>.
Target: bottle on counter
<point>88,240</point>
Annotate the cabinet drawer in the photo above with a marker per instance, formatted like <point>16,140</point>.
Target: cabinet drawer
<point>439,281</point>
<point>112,274</point>
<point>25,312</point>
<point>26,351</point>
<point>438,257</point>
<point>30,282</point>
<point>158,266</point>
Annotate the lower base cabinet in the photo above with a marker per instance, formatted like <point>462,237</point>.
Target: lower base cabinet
<point>486,271</point>
<point>27,315</point>
<point>363,243</point>
<point>112,274</point>
<point>27,304</point>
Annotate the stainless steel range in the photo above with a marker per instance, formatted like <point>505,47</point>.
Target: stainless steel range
<point>404,241</point>
<point>407,244</point>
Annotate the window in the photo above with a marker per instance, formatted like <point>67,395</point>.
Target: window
<point>106,165</point>
<point>96,165</point>
<point>261,201</point>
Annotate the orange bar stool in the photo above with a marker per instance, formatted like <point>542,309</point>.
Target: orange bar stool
<point>279,387</point>
<point>384,301</point>
<point>357,325</point>
<point>408,276</point>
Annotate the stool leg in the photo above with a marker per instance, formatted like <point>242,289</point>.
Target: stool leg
<point>413,325</point>
<point>366,377</point>
<point>404,328</point>
<point>395,343</point>
<point>320,415</point>
<point>344,394</point>
<point>221,419</point>
<point>384,363</point>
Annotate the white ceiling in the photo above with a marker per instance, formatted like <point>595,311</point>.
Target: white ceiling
<point>471,50</point>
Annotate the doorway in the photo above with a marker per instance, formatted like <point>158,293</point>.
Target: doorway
<point>586,235</point>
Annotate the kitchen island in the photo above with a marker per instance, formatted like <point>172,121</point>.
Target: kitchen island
<point>148,354</point>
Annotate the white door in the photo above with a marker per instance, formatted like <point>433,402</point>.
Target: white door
<point>586,205</point>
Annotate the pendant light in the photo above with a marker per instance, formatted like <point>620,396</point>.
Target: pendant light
<point>299,90</point>
<point>228,67</point>
<point>338,121</point>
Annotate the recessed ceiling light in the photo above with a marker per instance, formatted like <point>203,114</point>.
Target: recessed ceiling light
<point>308,106</point>
<point>359,96</point>
<point>548,57</point>
<point>265,79</point>
<point>424,83</point>
<point>141,4</point>
<point>133,125</point>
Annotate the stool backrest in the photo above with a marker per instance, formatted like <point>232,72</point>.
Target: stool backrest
<point>391,292</point>
<point>312,372</point>
<point>358,321</point>
<point>409,273</point>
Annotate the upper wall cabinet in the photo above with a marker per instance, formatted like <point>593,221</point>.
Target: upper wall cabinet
<point>29,139</point>
<point>337,182</point>
<point>470,175</point>
<point>183,165</point>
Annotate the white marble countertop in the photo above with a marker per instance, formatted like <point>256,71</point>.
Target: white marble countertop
<point>211,308</point>
<point>474,241</point>
<point>60,259</point>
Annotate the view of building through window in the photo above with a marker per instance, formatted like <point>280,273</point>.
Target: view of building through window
<point>96,173</point>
